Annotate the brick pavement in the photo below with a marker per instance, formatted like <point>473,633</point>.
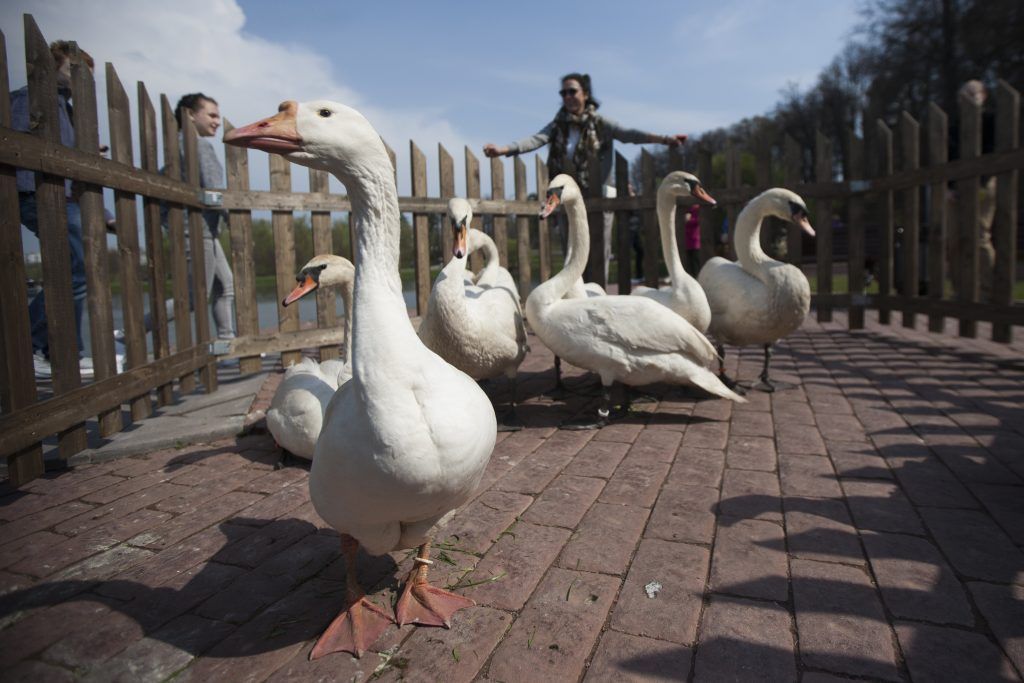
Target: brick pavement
<point>868,524</point>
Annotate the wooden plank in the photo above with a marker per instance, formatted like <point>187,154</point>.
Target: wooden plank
<point>28,425</point>
<point>446,173</point>
<point>966,284</point>
<point>17,379</point>
<point>284,254</point>
<point>523,266</point>
<point>823,223</point>
<point>762,181</point>
<point>651,234</point>
<point>624,241</point>
<point>595,222</point>
<point>242,263</point>
<point>976,311</point>
<point>421,230</point>
<point>732,182</point>
<point>176,237</point>
<point>1004,226</point>
<point>303,201</point>
<point>708,229</point>
<point>326,308</point>
<point>543,226</point>
<point>276,342</point>
<point>791,155</point>
<point>886,213</point>
<point>675,163</point>
<point>500,223</point>
<point>476,261</point>
<point>156,270</point>
<point>119,114</point>
<point>52,217</point>
<point>910,143</point>
<point>938,153</point>
<point>855,231</point>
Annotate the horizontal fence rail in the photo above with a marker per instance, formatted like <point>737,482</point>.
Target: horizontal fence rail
<point>874,215</point>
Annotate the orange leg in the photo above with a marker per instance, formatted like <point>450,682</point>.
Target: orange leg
<point>423,604</point>
<point>360,624</point>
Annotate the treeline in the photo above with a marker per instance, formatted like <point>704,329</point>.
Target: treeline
<point>903,55</point>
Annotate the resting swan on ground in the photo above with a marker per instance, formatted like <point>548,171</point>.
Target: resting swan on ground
<point>296,412</point>
<point>682,295</point>
<point>625,338</point>
<point>757,300</point>
<point>406,440</point>
<point>479,330</point>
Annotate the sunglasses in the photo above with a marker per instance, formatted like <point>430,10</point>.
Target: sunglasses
<point>568,91</point>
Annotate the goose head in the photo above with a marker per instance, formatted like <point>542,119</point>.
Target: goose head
<point>788,206</point>
<point>460,214</point>
<point>683,184</point>
<point>319,134</point>
<point>325,270</point>
<point>561,190</point>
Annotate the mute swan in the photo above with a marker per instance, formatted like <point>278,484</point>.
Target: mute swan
<point>479,330</point>
<point>757,300</point>
<point>406,440</point>
<point>626,338</point>
<point>683,295</point>
<point>296,411</point>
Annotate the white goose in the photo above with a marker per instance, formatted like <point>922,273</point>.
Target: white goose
<point>480,329</point>
<point>683,295</point>
<point>296,412</point>
<point>406,440</point>
<point>757,300</point>
<point>626,338</point>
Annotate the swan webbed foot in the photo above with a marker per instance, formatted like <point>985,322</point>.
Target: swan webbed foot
<point>585,422</point>
<point>510,421</point>
<point>354,630</point>
<point>732,384</point>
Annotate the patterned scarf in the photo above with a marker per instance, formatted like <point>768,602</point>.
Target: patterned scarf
<point>589,144</point>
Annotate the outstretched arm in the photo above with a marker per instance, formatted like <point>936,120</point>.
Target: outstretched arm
<point>527,144</point>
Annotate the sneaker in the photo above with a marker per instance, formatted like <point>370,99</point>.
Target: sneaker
<point>42,366</point>
<point>85,368</point>
<point>119,363</point>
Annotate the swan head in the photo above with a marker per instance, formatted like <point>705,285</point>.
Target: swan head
<point>561,190</point>
<point>683,184</point>
<point>789,206</point>
<point>460,213</point>
<point>325,270</point>
<point>320,134</point>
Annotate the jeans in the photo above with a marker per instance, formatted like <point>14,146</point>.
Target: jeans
<point>37,307</point>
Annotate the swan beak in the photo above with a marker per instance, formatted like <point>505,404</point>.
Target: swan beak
<point>804,223</point>
<point>460,247</point>
<point>550,205</point>
<point>302,289</point>
<point>276,134</point>
<point>700,193</point>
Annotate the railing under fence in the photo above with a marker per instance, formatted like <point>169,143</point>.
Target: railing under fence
<point>868,202</point>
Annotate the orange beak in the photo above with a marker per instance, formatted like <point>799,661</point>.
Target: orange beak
<point>550,205</point>
<point>301,290</point>
<point>460,241</point>
<point>700,193</point>
<point>276,134</point>
<point>804,223</point>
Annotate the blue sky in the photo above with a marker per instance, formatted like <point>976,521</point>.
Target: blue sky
<point>455,73</point>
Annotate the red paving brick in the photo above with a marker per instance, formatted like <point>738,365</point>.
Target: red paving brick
<point>866,523</point>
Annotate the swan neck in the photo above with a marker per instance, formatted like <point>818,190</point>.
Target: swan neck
<point>669,242</point>
<point>748,236</point>
<point>578,247</point>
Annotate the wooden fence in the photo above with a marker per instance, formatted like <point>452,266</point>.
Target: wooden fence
<point>30,415</point>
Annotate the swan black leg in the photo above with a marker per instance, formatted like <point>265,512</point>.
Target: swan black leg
<point>510,421</point>
<point>726,380</point>
<point>766,383</point>
<point>602,418</point>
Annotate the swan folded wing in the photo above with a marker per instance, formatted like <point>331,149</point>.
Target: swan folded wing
<point>642,326</point>
<point>730,288</point>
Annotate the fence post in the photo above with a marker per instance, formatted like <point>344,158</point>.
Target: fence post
<point>1004,227</point>
<point>910,141</point>
<point>421,231</point>
<point>326,310</point>
<point>855,235</point>
<point>236,161</point>
<point>967,285</point>
<point>155,269</point>
<point>885,222</point>
<point>651,234</point>
<point>792,175</point>
<point>176,236</point>
<point>770,225</point>
<point>624,245</point>
<point>543,226</point>
<point>823,226</point>
<point>708,230</point>
<point>17,379</point>
<point>473,192</point>
<point>596,262</point>
<point>522,232</point>
<point>446,173</point>
<point>938,155</point>
<point>732,182</point>
<point>284,254</point>
<point>499,221</point>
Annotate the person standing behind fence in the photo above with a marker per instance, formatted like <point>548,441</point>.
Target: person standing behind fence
<point>575,134</point>
<point>220,283</point>
<point>26,183</point>
<point>691,240</point>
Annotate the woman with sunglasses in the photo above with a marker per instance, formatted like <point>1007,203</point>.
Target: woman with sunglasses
<point>576,133</point>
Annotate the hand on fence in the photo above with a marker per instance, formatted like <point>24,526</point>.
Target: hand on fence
<point>492,150</point>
